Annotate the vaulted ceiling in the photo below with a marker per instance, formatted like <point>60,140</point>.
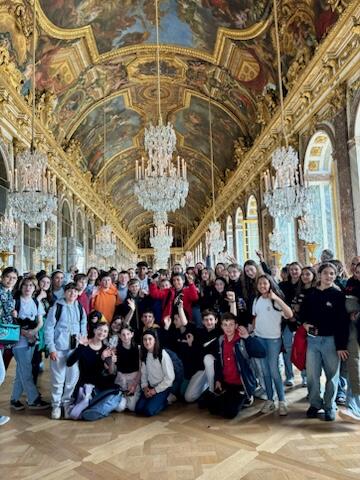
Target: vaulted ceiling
<point>98,58</point>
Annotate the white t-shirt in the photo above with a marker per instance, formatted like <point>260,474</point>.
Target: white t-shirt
<point>268,319</point>
<point>28,309</point>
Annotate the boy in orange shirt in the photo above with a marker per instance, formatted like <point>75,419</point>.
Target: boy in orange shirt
<point>106,297</point>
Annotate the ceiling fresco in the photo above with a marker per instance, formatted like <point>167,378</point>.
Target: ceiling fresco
<point>90,52</point>
<point>186,23</point>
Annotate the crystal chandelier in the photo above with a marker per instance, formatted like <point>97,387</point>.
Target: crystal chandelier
<point>285,193</point>
<point>32,191</point>
<point>276,239</point>
<point>215,238</point>
<point>105,242</point>
<point>160,185</point>
<point>93,259</point>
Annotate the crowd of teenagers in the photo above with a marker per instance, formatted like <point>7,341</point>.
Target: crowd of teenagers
<point>140,340</point>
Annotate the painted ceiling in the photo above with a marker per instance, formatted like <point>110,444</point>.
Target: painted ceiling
<point>98,58</point>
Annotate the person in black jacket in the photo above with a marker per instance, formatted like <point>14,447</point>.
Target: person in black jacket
<point>327,324</point>
<point>235,382</point>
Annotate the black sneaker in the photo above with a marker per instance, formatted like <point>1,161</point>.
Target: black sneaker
<point>329,415</point>
<point>39,404</point>
<point>312,412</point>
<point>17,405</point>
<point>341,401</point>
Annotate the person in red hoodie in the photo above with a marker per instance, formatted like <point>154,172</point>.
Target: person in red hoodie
<point>172,296</point>
<point>106,298</point>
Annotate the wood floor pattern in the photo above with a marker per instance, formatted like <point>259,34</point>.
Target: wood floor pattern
<point>183,443</point>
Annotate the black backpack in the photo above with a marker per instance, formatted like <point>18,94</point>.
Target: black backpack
<point>59,307</point>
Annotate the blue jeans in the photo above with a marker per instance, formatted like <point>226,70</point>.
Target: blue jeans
<point>353,402</point>
<point>270,368</point>
<point>287,337</point>
<point>23,378</point>
<point>342,384</point>
<point>152,406</point>
<point>321,354</point>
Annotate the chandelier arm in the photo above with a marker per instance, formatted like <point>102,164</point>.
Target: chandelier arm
<point>158,61</point>
<point>33,80</point>
<point>279,69</point>
<point>212,160</point>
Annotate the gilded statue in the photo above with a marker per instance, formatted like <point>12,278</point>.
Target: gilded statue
<point>338,5</point>
<point>16,19</point>
<point>299,63</point>
<point>241,146</point>
<point>8,68</point>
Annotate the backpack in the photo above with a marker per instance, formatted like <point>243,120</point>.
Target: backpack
<point>18,303</point>
<point>102,404</point>
<point>59,308</point>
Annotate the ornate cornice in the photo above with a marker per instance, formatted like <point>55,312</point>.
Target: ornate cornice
<point>15,112</point>
<point>335,61</point>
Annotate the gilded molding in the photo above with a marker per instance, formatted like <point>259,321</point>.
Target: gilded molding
<point>335,61</point>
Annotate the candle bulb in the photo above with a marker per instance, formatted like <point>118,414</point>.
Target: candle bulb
<point>178,165</point>
<point>137,170</point>
<point>16,180</point>
<point>301,176</point>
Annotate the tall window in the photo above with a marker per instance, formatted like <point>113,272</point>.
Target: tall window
<point>229,236</point>
<point>319,171</point>
<point>4,186</point>
<point>289,251</point>
<point>65,234</point>
<point>252,228</point>
<point>31,248</point>
<point>240,236</point>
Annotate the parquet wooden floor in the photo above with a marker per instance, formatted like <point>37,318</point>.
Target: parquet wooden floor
<point>183,443</point>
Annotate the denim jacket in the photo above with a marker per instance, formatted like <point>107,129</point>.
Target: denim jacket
<point>58,333</point>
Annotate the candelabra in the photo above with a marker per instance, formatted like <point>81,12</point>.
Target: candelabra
<point>105,242</point>
<point>8,230</point>
<point>276,243</point>
<point>47,249</point>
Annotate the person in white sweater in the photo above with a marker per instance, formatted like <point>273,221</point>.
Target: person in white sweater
<point>157,376</point>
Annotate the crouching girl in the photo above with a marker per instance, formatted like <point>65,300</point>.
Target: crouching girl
<point>157,376</point>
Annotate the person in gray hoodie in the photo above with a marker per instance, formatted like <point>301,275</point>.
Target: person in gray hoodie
<point>66,323</point>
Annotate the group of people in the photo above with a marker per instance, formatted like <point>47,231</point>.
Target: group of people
<point>140,340</point>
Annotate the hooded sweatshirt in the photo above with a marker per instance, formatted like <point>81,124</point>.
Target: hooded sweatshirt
<point>105,301</point>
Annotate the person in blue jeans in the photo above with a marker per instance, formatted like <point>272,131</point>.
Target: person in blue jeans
<point>268,310</point>
<point>325,319</point>
<point>157,376</point>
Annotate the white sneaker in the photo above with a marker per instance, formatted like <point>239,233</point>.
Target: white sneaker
<point>283,409</point>
<point>349,416</point>
<point>268,406</point>
<point>3,419</point>
<point>171,399</point>
<point>56,413</point>
<point>122,405</point>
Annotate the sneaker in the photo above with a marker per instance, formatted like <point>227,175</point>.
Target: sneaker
<point>341,401</point>
<point>3,419</point>
<point>67,409</point>
<point>329,415</point>
<point>283,409</point>
<point>39,404</point>
<point>349,416</point>
<point>17,405</point>
<point>122,405</point>
<point>171,399</point>
<point>248,401</point>
<point>312,412</point>
<point>260,393</point>
<point>56,413</point>
<point>289,382</point>
<point>268,406</point>
<point>304,382</point>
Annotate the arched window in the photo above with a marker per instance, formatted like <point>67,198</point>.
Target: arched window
<point>240,236</point>
<point>65,234</point>
<point>229,236</point>
<point>79,230</point>
<point>252,228</point>
<point>319,172</point>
